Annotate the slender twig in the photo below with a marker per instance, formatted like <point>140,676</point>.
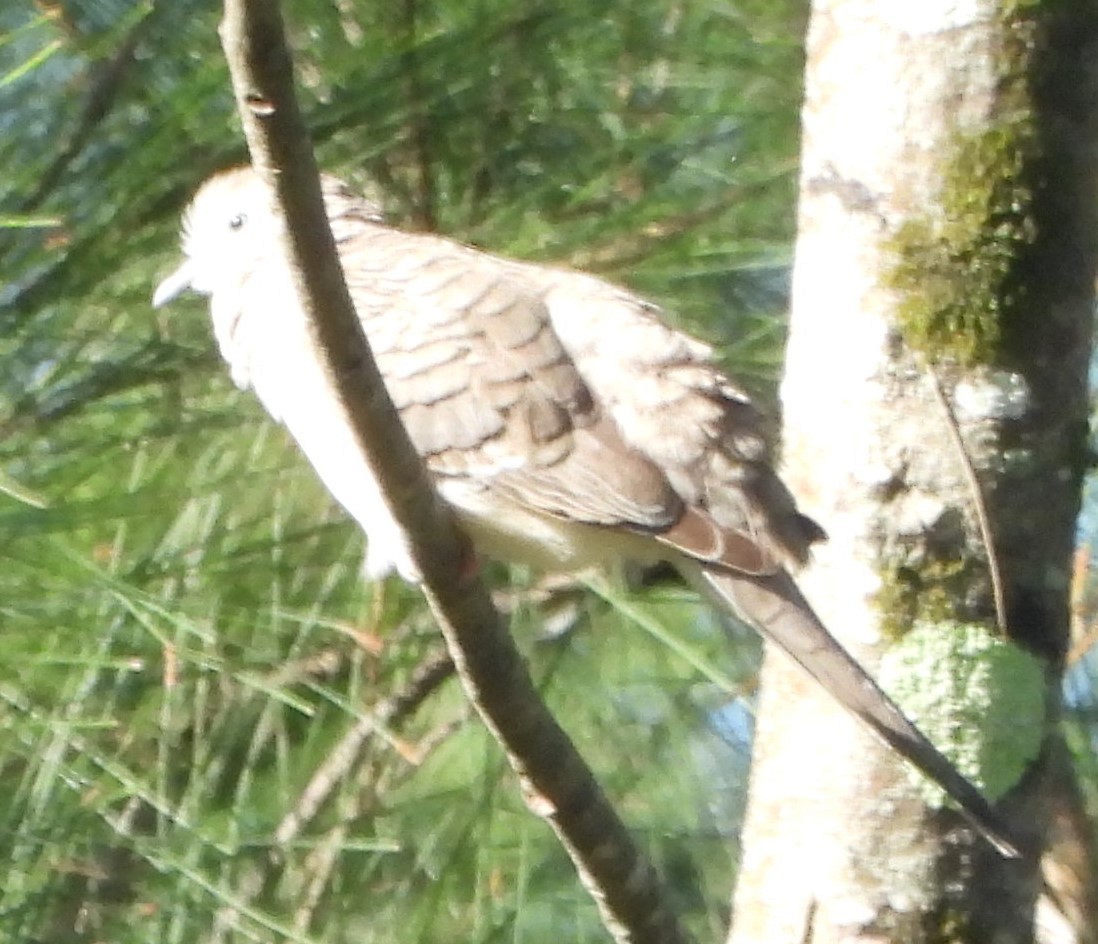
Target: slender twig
<point>978,501</point>
<point>320,866</point>
<point>427,678</point>
<point>102,95</point>
<point>390,712</point>
<point>419,130</point>
<point>557,783</point>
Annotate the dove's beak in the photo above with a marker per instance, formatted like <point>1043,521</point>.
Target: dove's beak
<point>173,286</point>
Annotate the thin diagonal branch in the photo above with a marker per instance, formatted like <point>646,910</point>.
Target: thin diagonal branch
<point>557,783</point>
<point>979,503</point>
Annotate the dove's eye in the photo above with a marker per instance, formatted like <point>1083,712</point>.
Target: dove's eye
<point>237,221</point>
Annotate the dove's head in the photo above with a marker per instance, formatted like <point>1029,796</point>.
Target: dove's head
<point>230,227</point>
<point>227,229</point>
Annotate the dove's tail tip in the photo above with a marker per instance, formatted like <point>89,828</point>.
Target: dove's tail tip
<point>774,605</point>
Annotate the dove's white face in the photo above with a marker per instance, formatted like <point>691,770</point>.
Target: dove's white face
<point>227,228</point>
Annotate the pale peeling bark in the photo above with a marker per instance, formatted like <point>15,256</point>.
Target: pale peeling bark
<point>904,101</point>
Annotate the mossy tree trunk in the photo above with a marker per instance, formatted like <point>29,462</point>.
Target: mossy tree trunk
<point>935,410</point>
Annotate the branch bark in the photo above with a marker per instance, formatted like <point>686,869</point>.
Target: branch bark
<point>556,782</point>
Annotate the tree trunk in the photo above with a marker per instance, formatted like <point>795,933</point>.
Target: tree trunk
<point>935,409</point>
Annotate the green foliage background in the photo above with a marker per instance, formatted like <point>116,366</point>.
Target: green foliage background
<point>187,643</point>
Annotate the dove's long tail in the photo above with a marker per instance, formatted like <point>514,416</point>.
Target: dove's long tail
<point>775,606</point>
